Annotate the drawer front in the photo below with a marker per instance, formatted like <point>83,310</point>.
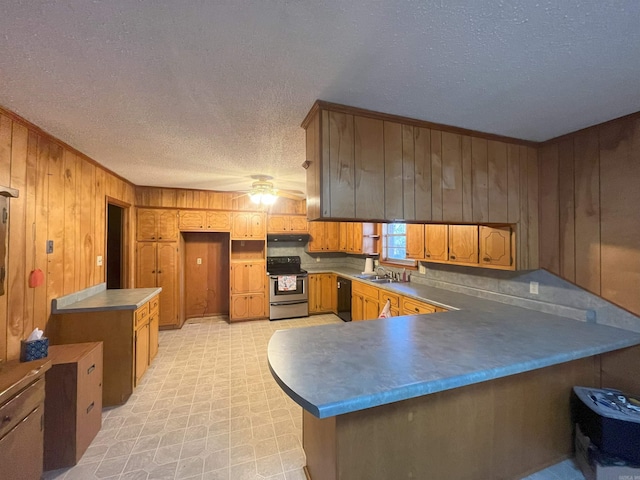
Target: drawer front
<point>21,449</point>
<point>394,300</point>
<point>142,315</point>
<point>14,411</point>
<point>410,307</point>
<point>89,406</point>
<point>154,304</point>
<point>364,289</point>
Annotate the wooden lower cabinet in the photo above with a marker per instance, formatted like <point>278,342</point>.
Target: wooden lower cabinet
<point>22,394</point>
<point>394,302</point>
<point>364,302</point>
<point>322,293</point>
<point>247,307</point>
<point>411,306</point>
<point>73,406</point>
<point>126,337</point>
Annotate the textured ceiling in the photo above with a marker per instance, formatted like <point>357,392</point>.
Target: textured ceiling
<point>202,94</point>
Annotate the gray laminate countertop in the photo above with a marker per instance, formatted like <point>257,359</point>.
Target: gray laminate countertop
<point>103,300</point>
<point>336,369</point>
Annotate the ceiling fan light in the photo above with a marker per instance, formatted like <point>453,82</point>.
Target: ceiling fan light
<point>255,198</point>
<point>268,198</point>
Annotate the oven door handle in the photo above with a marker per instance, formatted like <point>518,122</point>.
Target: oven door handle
<point>281,304</point>
<point>275,277</point>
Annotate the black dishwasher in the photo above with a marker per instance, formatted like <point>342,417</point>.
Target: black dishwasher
<point>344,299</point>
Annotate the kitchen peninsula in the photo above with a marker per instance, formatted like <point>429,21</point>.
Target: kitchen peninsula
<point>479,392</point>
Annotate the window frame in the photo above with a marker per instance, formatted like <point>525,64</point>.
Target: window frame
<point>396,262</point>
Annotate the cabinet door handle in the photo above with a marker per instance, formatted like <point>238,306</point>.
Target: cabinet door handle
<point>91,369</point>
<point>153,271</point>
<point>153,238</point>
<point>159,238</point>
<point>90,407</point>
<point>159,271</point>
<point>486,259</point>
<point>452,257</point>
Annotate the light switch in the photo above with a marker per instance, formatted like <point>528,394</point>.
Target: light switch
<point>422,269</point>
<point>198,261</point>
<point>99,260</point>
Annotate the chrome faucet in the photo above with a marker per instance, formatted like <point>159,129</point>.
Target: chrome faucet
<point>384,272</point>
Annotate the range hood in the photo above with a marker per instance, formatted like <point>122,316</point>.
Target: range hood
<point>288,237</point>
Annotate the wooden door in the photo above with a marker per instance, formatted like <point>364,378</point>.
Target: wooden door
<point>142,351</point>
<point>356,238</point>
<point>256,306</point>
<point>463,244</point>
<point>328,292</point>
<point>168,279</point>
<point>495,246</point>
<point>146,225</point>
<point>344,243</point>
<point>357,307</point>
<point>248,277</point>
<point>192,219</point>
<point>415,241</point>
<point>154,324</point>
<point>167,225</point>
<point>332,236</point>
<point>436,242</point>
<point>298,224</point>
<point>314,293</point>
<point>257,226</point>
<point>371,308</point>
<point>219,221</point>
<point>369,168</point>
<point>146,264</point>
<point>316,232</point>
<point>277,224</point>
<point>240,225</point>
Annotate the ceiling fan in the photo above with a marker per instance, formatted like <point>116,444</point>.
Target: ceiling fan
<point>263,192</point>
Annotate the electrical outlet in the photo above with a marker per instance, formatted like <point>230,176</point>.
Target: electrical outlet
<point>99,260</point>
<point>422,269</point>
<point>317,259</point>
<point>533,288</point>
<point>49,246</point>
<point>198,261</point>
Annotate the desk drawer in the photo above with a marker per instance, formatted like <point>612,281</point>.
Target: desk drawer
<point>16,409</point>
<point>154,304</point>
<point>142,315</point>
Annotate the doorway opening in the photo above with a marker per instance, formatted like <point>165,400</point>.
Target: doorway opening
<point>116,248</point>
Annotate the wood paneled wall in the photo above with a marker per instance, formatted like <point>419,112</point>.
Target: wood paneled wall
<point>62,198</point>
<point>590,209</point>
<point>205,199</point>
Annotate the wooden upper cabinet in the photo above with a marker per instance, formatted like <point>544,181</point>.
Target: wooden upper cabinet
<point>436,243</point>
<point>496,247</point>
<point>248,225</point>
<point>365,165</point>
<point>369,168</point>
<point>156,225</point>
<point>415,241</point>
<point>248,277</point>
<point>194,220</point>
<point>325,237</point>
<point>463,244</point>
<point>219,221</point>
<point>287,224</point>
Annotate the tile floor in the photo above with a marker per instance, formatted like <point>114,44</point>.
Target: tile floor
<point>209,409</point>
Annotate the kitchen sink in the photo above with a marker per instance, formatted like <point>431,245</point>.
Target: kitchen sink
<point>381,280</point>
